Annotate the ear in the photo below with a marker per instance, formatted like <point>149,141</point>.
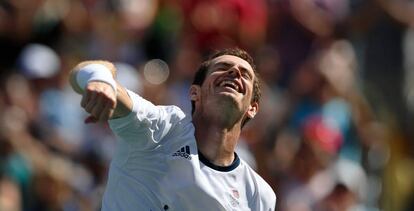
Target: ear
<point>195,91</point>
<point>253,109</point>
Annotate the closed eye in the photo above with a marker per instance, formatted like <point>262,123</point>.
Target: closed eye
<point>226,65</point>
<point>246,74</point>
<point>223,66</point>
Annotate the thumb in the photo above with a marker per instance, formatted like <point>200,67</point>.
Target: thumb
<point>90,119</point>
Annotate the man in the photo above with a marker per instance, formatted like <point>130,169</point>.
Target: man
<point>166,160</point>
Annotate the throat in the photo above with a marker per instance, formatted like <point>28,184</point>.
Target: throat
<point>217,145</point>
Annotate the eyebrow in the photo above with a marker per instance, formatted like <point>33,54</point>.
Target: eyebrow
<point>223,63</point>
<point>229,64</point>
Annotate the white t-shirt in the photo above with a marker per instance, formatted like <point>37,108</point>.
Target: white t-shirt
<point>157,167</point>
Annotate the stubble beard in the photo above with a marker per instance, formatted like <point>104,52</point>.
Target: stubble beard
<point>227,109</point>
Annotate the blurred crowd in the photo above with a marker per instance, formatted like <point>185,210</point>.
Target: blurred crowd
<point>335,127</point>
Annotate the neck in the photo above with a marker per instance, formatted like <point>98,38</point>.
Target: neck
<point>215,141</point>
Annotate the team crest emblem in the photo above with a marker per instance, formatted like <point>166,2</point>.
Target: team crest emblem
<point>235,194</point>
<point>233,197</point>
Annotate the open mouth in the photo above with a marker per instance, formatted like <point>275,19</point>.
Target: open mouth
<point>231,84</point>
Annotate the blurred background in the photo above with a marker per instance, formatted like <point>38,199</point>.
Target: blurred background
<point>335,127</point>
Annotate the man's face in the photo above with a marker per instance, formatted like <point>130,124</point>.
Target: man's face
<point>229,81</point>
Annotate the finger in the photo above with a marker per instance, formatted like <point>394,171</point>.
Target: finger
<point>99,106</point>
<point>90,119</point>
<point>106,112</point>
<point>111,98</point>
<point>85,99</point>
<point>92,102</point>
<point>113,102</point>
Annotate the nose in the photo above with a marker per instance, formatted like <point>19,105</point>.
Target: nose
<point>235,71</point>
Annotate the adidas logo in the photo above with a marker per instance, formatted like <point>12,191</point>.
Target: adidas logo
<point>183,152</point>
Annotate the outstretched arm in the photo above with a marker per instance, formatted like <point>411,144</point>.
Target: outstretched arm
<point>102,97</point>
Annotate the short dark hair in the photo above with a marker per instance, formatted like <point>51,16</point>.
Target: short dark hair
<point>201,73</point>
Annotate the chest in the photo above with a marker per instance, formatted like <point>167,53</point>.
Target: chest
<point>188,181</point>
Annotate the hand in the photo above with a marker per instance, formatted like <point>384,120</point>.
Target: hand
<point>99,100</point>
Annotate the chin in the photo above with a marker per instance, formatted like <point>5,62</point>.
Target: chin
<point>229,100</point>
<point>227,96</point>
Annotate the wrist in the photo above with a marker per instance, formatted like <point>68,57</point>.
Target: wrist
<point>95,72</point>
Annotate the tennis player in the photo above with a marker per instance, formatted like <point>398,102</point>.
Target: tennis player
<point>167,160</point>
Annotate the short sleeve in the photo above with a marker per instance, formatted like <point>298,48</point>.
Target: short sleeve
<point>147,124</point>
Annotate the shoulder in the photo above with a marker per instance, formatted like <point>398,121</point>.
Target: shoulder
<point>144,108</point>
<point>145,116</point>
<point>175,111</point>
